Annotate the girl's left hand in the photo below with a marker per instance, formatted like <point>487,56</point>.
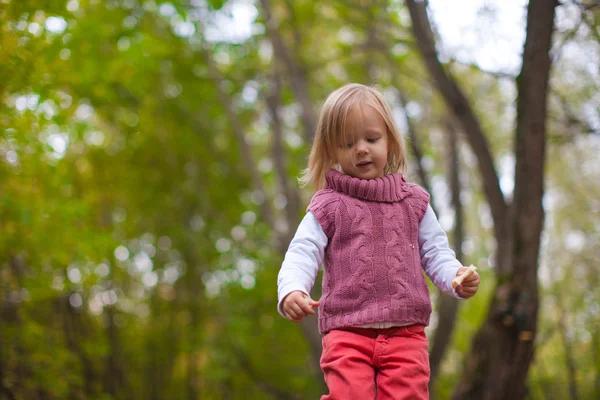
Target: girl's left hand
<point>469,286</point>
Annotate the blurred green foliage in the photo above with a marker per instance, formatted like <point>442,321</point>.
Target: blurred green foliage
<point>135,260</point>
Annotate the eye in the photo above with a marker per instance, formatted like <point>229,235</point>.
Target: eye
<point>349,145</point>
<point>372,140</point>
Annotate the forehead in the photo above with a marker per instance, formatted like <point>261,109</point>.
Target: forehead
<point>364,118</point>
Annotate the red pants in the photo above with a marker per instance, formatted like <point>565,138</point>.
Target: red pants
<point>366,364</point>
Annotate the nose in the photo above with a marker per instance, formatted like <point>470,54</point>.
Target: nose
<point>361,147</point>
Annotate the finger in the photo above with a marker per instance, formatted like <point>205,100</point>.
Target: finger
<point>290,314</point>
<point>472,286</point>
<point>295,320</point>
<point>472,278</point>
<point>307,309</point>
<point>468,291</point>
<point>297,307</point>
<point>308,305</point>
<point>294,310</point>
<point>313,303</point>
<point>292,319</point>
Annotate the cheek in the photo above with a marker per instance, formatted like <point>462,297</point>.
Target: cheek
<point>389,150</point>
<point>343,156</point>
<point>336,156</point>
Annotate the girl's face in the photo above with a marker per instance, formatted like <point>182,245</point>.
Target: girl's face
<point>365,153</point>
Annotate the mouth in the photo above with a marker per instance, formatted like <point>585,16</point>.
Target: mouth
<point>364,163</point>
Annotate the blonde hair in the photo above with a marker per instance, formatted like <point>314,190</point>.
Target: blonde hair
<point>331,131</point>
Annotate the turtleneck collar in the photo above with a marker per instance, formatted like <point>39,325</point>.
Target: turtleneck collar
<point>389,188</point>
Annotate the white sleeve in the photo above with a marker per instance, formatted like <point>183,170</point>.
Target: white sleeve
<point>437,258</point>
<point>302,259</point>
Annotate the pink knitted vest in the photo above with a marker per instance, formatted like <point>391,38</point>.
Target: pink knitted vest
<point>372,264</point>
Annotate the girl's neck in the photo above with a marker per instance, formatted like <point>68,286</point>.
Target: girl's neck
<point>388,188</point>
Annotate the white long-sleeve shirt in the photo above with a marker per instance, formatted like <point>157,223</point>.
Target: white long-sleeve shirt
<point>306,251</point>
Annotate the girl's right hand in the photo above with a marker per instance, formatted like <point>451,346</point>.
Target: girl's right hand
<point>298,305</point>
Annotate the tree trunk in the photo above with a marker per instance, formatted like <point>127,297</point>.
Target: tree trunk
<point>503,349</point>
<point>194,290</point>
<point>447,305</point>
<point>501,353</point>
<point>113,377</point>
<point>596,358</point>
<point>73,324</point>
<point>154,388</point>
<point>569,357</point>
<point>13,363</point>
<point>189,295</point>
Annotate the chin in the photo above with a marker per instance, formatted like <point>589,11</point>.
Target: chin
<point>368,176</point>
<point>364,175</point>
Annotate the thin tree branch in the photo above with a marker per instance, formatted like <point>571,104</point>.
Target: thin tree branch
<point>273,100</point>
<point>294,24</point>
<point>572,118</point>
<point>370,43</point>
<point>413,135</point>
<point>297,75</point>
<point>463,111</point>
<point>414,142</point>
<point>240,135</point>
<point>593,24</point>
<point>497,74</point>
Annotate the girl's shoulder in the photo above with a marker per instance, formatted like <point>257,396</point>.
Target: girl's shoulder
<point>324,197</point>
<point>417,191</point>
<point>323,206</point>
<point>418,199</point>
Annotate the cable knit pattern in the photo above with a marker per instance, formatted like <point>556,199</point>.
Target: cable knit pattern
<point>372,263</point>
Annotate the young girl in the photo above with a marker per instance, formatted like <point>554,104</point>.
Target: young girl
<point>374,231</point>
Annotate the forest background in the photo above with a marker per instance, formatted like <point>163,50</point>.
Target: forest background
<point>149,155</point>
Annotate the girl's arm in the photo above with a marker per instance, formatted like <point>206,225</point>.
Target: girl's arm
<point>437,258</point>
<point>302,259</point>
